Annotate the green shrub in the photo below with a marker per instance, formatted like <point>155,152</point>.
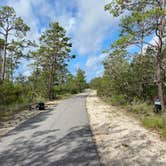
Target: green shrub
<point>153,122</point>
<point>7,112</point>
<point>13,97</point>
<point>10,93</point>
<point>118,100</point>
<point>141,108</point>
<point>156,122</point>
<point>163,131</point>
<point>65,89</point>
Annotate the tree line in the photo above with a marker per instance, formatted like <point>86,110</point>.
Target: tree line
<point>140,74</point>
<point>49,60</point>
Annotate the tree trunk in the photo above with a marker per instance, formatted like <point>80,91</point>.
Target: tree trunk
<point>51,84</point>
<point>141,62</point>
<point>160,32</point>
<point>11,68</point>
<point>159,83</point>
<point>3,69</point>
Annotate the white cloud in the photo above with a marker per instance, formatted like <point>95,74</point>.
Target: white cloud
<point>95,60</point>
<point>88,25</point>
<point>94,67</point>
<point>153,42</point>
<point>91,26</point>
<point>24,9</point>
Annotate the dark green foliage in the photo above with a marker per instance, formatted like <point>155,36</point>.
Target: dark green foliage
<point>14,96</point>
<point>73,84</point>
<point>10,93</point>
<point>100,84</point>
<point>12,33</point>
<point>80,81</point>
<point>126,79</point>
<point>52,57</point>
<point>50,77</point>
<point>140,21</point>
<point>135,75</point>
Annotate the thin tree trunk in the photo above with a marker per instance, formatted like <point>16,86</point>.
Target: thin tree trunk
<point>1,57</point>
<point>51,93</point>
<point>159,82</point>
<point>1,52</point>
<point>160,45</point>
<point>3,69</point>
<point>141,62</point>
<point>11,68</point>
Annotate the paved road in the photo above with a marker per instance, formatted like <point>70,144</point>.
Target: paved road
<point>58,137</point>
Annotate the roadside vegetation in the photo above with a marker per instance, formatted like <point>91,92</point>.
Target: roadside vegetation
<point>48,78</point>
<point>133,78</point>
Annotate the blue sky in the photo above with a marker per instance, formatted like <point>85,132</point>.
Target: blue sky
<point>91,28</point>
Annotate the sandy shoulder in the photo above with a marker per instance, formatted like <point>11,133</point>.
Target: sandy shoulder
<point>120,139</point>
<point>22,116</point>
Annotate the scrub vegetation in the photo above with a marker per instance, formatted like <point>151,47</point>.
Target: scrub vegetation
<point>49,77</point>
<point>133,78</point>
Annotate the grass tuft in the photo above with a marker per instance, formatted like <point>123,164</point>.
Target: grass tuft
<point>153,122</point>
<point>141,109</point>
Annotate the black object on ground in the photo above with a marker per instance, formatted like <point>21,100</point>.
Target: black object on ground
<point>40,106</point>
<point>157,108</point>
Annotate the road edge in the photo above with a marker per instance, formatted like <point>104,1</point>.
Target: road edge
<point>92,133</point>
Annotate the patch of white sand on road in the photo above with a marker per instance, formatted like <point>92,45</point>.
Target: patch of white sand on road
<point>120,139</point>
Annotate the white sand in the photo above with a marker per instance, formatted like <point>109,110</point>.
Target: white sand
<point>120,139</point>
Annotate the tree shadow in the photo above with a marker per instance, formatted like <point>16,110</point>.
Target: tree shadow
<point>48,147</point>
<point>31,123</point>
<point>52,148</point>
<point>130,149</point>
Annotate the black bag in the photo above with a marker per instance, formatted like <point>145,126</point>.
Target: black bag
<point>41,106</point>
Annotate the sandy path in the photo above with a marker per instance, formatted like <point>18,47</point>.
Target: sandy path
<point>121,140</point>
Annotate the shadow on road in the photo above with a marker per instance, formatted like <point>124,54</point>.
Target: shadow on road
<point>31,123</point>
<point>61,146</point>
<point>44,148</point>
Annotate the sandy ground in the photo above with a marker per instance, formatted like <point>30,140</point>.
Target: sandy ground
<point>22,116</point>
<point>120,139</point>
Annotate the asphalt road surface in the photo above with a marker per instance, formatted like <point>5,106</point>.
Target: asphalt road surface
<point>57,137</point>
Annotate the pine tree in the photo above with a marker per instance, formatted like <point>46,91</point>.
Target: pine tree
<point>53,55</point>
<point>144,19</point>
<point>12,27</point>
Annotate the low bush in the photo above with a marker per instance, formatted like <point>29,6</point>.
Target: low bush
<point>141,108</point>
<point>6,112</point>
<point>156,122</point>
<point>153,122</point>
<point>163,132</point>
<point>118,100</point>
